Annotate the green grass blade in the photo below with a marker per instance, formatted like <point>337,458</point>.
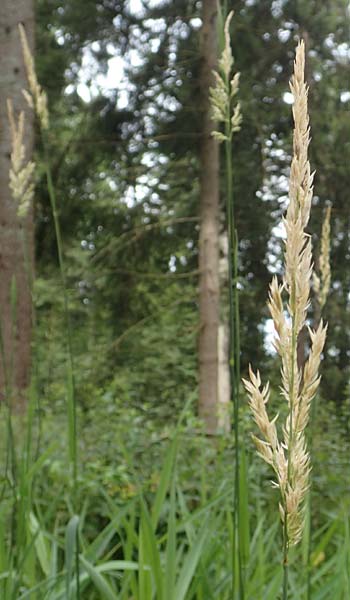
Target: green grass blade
<point>170,568</point>
<point>100,583</point>
<point>164,482</point>
<point>145,580</point>
<point>150,543</point>
<point>190,564</point>
<point>71,548</point>
<point>324,541</point>
<point>41,545</point>
<point>243,521</point>
<point>100,543</point>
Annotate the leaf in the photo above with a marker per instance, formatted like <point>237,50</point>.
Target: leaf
<point>100,583</point>
<point>41,545</point>
<point>164,482</point>
<point>170,565</point>
<point>190,563</point>
<point>71,549</point>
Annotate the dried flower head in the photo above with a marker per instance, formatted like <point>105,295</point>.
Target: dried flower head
<point>21,172</point>
<point>289,456</point>
<point>36,97</point>
<point>226,88</point>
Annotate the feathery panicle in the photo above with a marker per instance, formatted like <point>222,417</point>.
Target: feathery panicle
<point>21,172</point>
<point>289,457</point>
<point>222,95</point>
<point>226,59</point>
<point>322,282</point>
<point>36,97</point>
<point>258,398</point>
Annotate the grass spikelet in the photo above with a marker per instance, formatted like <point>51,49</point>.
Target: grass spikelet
<point>226,88</point>
<point>288,305</point>
<point>36,97</point>
<point>21,172</point>
<point>322,282</point>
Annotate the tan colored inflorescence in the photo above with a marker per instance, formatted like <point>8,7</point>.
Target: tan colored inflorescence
<point>322,282</point>
<point>21,172</point>
<point>36,97</point>
<point>225,90</point>
<point>289,456</point>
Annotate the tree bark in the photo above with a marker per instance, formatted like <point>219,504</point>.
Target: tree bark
<point>209,231</point>
<point>224,379</point>
<point>15,317</point>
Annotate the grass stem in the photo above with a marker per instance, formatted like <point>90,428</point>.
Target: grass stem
<point>71,404</point>
<point>234,358</point>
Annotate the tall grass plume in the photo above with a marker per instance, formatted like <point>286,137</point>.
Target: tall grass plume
<point>288,304</point>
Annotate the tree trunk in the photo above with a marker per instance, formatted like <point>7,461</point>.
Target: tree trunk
<point>15,315</point>
<point>209,231</point>
<point>224,379</point>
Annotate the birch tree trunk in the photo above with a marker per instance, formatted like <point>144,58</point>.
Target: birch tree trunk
<point>15,317</point>
<point>209,231</point>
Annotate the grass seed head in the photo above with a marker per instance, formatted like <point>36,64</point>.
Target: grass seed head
<point>36,97</point>
<point>21,171</point>
<point>322,282</point>
<point>289,457</point>
<point>225,89</point>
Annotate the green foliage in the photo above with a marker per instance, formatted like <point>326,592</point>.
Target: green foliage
<point>167,525</point>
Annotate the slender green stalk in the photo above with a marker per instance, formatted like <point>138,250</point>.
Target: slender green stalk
<point>71,404</point>
<point>11,460</point>
<point>285,556</point>
<point>234,350</point>
<point>285,571</point>
<point>225,112</point>
<point>293,360</point>
<point>33,395</point>
<point>309,504</point>
<point>11,464</point>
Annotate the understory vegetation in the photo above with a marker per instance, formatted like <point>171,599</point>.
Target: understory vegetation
<point>155,514</point>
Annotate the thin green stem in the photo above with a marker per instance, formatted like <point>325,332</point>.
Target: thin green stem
<point>71,404</point>
<point>309,500</point>
<point>10,475</point>
<point>234,347</point>
<point>285,553</point>
<point>285,574</point>
<point>11,461</point>
<point>33,393</point>
<point>293,359</point>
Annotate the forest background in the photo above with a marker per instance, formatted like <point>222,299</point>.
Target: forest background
<point>127,169</point>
